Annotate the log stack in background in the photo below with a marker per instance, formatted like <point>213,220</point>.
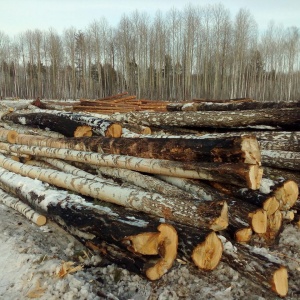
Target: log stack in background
<point>212,175</point>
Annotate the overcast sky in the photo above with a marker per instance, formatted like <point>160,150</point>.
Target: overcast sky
<point>19,15</point>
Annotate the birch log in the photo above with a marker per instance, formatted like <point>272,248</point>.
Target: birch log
<point>238,149</point>
<point>127,229</point>
<point>187,212</point>
<point>231,106</point>
<point>56,123</point>
<point>237,174</point>
<point>264,270</point>
<point>22,208</point>
<point>281,159</point>
<point>283,118</point>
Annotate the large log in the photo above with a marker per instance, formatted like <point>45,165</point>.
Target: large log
<point>264,270</point>
<point>230,106</point>
<point>56,123</point>
<point>238,149</point>
<point>237,174</point>
<point>277,173</point>
<point>287,118</point>
<point>126,229</point>
<point>187,212</point>
<point>281,159</point>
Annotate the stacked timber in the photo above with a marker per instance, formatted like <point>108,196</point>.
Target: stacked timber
<point>197,196</point>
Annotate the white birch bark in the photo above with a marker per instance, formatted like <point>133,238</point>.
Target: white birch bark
<point>22,208</point>
<point>186,212</point>
<point>238,174</point>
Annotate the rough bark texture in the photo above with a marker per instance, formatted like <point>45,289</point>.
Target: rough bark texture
<point>231,106</point>
<point>281,159</point>
<point>237,174</point>
<point>263,271</point>
<point>283,118</point>
<point>56,123</point>
<point>187,212</point>
<point>238,149</point>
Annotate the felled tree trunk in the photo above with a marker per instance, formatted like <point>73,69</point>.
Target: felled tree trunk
<point>238,149</point>
<point>231,106</point>
<point>129,230</point>
<point>185,212</point>
<point>276,174</point>
<point>258,268</point>
<point>100,126</point>
<point>281,159</point>
<point>284,118</point>
<point>56,123</point>
<point>22,208</point>
<point>237,174</point>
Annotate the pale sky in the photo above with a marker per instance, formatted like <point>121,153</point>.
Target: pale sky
<point>17,16</point>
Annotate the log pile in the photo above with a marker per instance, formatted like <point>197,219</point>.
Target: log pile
<point>144,199</point>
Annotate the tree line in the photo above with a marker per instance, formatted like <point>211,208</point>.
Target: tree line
<point>198,52</point>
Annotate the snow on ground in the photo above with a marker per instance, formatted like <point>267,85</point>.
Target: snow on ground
<point>31,256</point>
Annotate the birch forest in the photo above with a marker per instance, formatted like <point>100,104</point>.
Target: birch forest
<point>197,52</point>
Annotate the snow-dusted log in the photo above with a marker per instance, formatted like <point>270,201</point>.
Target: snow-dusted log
<point>281,159</point>
<point>238,149</point>
<point>100,126</point>
<point>276,174</point>
<point>187,212</point>
<point>283,118</point>
<point>126,229</point>
<point>261,268</point>
<point>22,208</point>
<point>56,123</point>
<point>237,174</point>
<point>230,106</point>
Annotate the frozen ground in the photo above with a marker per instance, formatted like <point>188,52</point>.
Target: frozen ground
<point>30,258</point>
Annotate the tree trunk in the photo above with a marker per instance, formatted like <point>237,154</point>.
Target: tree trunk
<point>22,208</point>
<point>237,174</point>
<point>258,268</point>
<point>187,212</point>
<point>236,150</point>
<point>231,106</point>
<point>56,123</point>
<point>281,159</point>
<point>276,174</point>
<point>283,118</point>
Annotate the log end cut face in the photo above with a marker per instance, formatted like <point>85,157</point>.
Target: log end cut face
<point>207,255</point>
<point>222,221</point>
<point>259,221</point>
<point>251,150</point>
<point>287,194</point>
<point>243,235</point>
<point>114,130</point>
<point>280,282</point>
<point>83,130</point>
<point>254,177</point>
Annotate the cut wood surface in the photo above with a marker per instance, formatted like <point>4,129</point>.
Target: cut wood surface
<point>187,212</point>
<point>237,174</point>
<point>283,118</point>
<point>239,149</point>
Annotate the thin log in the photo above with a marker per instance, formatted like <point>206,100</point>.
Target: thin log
<point>22,208</point>
<point>237,150</point>
<point>238,174</point>
<point>281,159</point>
<point>187,212</point>
<point>56,123</point>
<point>287,118</point>
<point>232,106</point>
<point>260,269</point>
